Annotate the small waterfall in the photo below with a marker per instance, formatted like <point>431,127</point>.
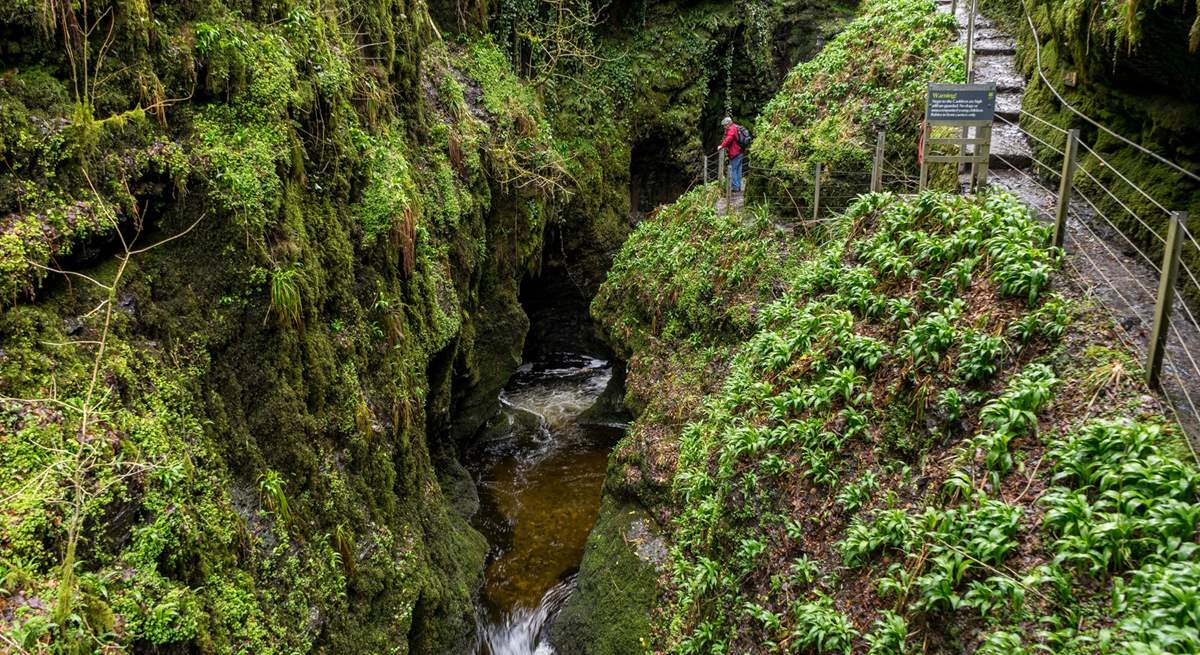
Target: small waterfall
<point>520,632</point>
<point>539,467</point>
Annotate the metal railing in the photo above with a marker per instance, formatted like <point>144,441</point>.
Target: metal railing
<point>811,195</point>
<point>1124,272</point>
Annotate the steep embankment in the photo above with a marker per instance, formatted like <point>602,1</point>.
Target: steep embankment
<point>916,436</point>
<point>905,433</point>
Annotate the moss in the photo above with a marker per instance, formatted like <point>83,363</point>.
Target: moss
<point>609,613</point>
<point>1118,88</point>
<point>872,76</point>
<point>390,196</point>
<point>313,205</point>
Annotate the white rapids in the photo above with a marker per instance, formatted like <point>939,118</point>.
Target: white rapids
<point>521,630</point>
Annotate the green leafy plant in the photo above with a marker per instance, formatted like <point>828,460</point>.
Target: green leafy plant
<point>285,296</point>
<point>1002,642</point>
<point>820,627</point>
<point>951,403</point>
<point>271,485</point>
<point>1132,500</point>
<point>859,492</point>
<point>980,356</point>
<point>889,636</point>
<point>1015,411</point>
<point>889,528</point>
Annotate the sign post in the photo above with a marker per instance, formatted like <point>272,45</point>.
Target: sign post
<point>959,105</point>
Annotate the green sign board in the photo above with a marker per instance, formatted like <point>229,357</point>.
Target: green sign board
<point>960,104</point>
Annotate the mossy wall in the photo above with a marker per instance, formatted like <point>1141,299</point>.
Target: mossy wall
<point>609,612</point>
<point>225,442</point>
<point>1135,69</point>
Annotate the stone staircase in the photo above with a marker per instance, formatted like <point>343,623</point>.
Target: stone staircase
<point>995,61</point>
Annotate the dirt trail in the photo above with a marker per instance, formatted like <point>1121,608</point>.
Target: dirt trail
<point>1108,266</point>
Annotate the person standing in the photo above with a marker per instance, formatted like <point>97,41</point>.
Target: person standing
<point>733,147</point>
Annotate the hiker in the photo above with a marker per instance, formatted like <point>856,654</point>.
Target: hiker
<point>737,139</point>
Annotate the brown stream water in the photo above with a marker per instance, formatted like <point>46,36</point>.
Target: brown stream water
<point>539,467</point>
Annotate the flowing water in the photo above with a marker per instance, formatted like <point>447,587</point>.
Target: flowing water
<point>539,466</point>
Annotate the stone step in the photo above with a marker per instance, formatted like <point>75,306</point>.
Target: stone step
<point>985,47</point>
<point>981,23</point>
<point>1008,105</point>
<point>1000,69</point>
<point>1010,148</point>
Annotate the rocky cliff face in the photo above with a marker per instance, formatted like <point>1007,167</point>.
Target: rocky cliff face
<point>293,237</point>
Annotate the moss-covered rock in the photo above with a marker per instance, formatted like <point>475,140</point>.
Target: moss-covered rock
<point>1132,69</point>
<point>871,77</point>
<point>288,253</point>
<point>617,590</point>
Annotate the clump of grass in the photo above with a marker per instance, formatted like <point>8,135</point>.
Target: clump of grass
<point>286,301</point>
<point>343,544</point>
<point>271,485</point>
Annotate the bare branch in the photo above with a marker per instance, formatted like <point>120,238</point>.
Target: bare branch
<point>62,272</point>
<point>170,238</point>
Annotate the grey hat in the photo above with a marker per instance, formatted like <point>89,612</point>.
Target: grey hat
<point>726,121</point>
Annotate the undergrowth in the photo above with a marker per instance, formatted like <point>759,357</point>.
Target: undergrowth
<point>872,76</point>
<point>902,455</point>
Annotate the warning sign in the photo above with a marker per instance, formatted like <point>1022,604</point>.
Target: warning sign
<point>959,104</point>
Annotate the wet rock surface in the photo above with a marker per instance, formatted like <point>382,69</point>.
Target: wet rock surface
<point>539,466</point>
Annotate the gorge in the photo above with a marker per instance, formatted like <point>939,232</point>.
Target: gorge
<point>409,326</point>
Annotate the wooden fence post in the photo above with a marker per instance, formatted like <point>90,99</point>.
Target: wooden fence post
<point>721,167</point>
<point>971,40</point>
<point>1166,296</point>
<point>877,169</point>
<point>817,192</point>
<point>1065,185</point>
<point>705,169</point>
<point>953,7</point>
<point>926,132</point>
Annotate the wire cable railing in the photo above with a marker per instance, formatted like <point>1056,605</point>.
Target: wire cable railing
<point>1125,281</point>
<point>1111,248</point>
<point>1100,185</point>
<point>1042,75</point>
